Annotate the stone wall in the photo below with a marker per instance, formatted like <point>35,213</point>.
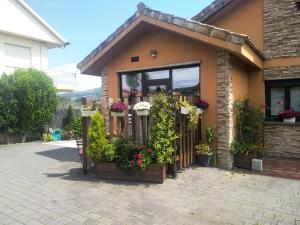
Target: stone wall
<point>105,96</point>
<point>281,29</point>
<point>282,139</point>
<point>282,72</point>
<point>224,108</point>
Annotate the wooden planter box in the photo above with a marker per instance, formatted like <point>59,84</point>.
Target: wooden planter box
<point>244,161</point>
<point>154,173</point>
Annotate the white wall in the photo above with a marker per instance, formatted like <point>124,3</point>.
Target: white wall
<point>38,53</point>
<point>16,20</point>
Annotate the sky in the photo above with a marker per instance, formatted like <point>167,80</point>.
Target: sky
<point>86,23</point>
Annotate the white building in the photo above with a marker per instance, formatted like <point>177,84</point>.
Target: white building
<point>24,37</point>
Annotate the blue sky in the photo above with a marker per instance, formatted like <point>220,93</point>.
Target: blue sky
<point>86,23</point>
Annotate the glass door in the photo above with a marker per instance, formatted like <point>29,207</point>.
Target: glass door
<point>156,82</point>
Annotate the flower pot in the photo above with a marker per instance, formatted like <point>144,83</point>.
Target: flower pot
<point>117,114</point>
<point>184,110</point>
<point>244,160</point>
<point>199,111</point>
<point>145,112</point>
<point>88,113</point>
<point>289,120</point>
<point>203,160</point>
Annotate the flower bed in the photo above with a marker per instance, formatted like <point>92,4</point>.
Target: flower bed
<point>154,173</point>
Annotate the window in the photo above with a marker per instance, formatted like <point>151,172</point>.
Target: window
<point>17,56</point>
<point>281,95</point>
<point>184,80</point>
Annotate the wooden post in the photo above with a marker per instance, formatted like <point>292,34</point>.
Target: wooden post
<point>85,125</point>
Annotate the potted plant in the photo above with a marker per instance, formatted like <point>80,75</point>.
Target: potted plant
<point>203,154</point>
<point>142,108</point>
<point>185,107</point>
<point>289,116</point>
<point>89,110</point>
<point>201,105</point>
<point>118,109</point>
<point>248,142</point>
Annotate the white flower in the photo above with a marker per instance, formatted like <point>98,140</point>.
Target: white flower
<point>140,106</point>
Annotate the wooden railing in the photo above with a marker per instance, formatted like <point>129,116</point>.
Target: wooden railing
<point>138,128</point>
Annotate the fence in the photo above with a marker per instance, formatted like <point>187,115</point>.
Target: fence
<point>139,127</point>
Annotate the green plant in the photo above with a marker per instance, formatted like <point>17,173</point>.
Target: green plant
<point>68,120</point>
<point>210,134</point>
<point>193,116</point>
<point>47,137</point>
<point>98,142</point>
<point>77,127</point>
<point>37,100</point>
<point>203,149</point>
<point>8,105</point>
<point>249,128</point>
<point>163,134</point>
<point>129,155</point>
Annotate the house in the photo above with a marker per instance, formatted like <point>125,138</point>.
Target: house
<point>231,50</point>
<point>24,37</point>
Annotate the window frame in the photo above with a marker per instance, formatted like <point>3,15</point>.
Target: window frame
<point>287,85</point>
<point>167,81</point>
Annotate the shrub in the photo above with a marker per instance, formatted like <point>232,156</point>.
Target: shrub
<point>163,134</point>
<point>68,120</point>
<point>77,127</point>
<point>249,128</point>
<point>98,142</point>
<point>37,100</point>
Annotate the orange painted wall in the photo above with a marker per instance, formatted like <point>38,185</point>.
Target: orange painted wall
<point>172,49</point>
<point>239,84</point>
<point>242,16</point>
<point>256,87</point>
<point>239,80</point>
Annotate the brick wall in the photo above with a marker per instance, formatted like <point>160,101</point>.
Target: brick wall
<point>282,140</point>
<point>281,29</point>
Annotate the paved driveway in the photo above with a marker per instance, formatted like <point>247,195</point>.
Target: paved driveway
<point>42,184</point>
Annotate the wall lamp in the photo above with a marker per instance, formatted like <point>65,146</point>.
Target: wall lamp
<point>153,53</point>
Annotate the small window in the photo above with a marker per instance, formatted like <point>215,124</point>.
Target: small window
<point>135,59</point>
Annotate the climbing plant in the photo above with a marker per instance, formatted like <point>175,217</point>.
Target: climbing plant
<point>163,134</point>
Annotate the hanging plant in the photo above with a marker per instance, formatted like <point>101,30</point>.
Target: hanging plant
<point>142,108</point>
<point>193,114</point>
<point>118,109</point>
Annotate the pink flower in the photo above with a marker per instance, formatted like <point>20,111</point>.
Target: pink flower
<point>139,163</point>
<point>139,156</point>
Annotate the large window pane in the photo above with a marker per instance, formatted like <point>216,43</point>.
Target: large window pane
<point>155,75</point>
<point>186,81</point>
<point>131,85</point>
<point>295,98</point>
<point>277,101</point>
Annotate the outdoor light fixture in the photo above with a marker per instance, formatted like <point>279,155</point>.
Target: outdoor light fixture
<point>153,53</point>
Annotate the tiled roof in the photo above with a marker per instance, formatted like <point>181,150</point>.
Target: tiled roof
<point>196,26</point>
<point>212,9</point>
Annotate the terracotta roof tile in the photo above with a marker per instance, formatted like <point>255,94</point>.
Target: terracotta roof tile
<point>212,9</point>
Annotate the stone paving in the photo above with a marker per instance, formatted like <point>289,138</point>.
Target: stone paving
<point>42,184</point>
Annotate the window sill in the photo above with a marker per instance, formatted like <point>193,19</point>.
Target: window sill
<point>281,123</point>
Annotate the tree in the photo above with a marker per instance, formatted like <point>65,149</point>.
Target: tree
<point>98,142</point>
<point>68,120</point>
<point>37,100</point>
<point>8,106</point>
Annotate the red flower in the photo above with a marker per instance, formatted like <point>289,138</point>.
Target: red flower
<point>149,151</point>
<point>139,163</point>
<point>139,156</point>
